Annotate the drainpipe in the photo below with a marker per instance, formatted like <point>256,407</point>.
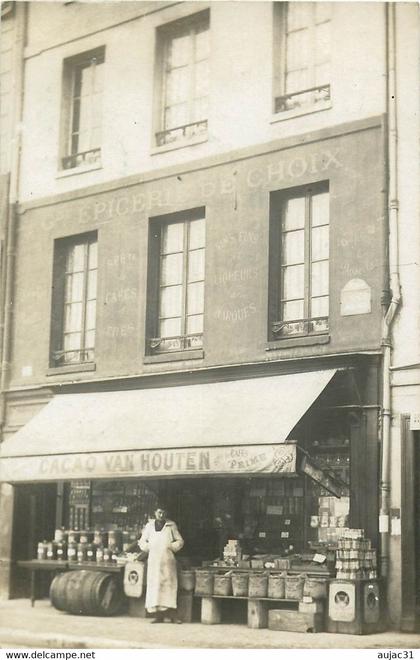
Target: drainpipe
<point>394,281</point>
<point>21,13</point>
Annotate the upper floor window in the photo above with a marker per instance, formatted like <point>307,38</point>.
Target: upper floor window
<point>183,60</point>
<point>82,109</point>
<point>302,54</point>
<point>299,261</point>
<point>74,300</point>
<point>176,303</point>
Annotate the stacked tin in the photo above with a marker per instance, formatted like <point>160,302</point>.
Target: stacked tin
<point>356,559</point>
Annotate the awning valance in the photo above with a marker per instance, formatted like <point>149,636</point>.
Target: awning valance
<point>133,432</point>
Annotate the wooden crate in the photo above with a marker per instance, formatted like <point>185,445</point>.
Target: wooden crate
<point>293,621</point>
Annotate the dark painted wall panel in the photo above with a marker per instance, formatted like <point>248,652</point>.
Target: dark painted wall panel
<point>236,197</point>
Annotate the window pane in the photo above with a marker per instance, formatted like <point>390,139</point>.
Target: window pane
<point>197,233</point>
<point>90,315</point>
<point>319,279</point>
<point>176,116</point>
<point>93,255</point>
<point>180,51</point>
<point>293,282</point>
<point>170,327</point>
<point>194,324</point>
<point>195,298</point>
<point>322,42</point>
<point>298,54</point>
<point>177,86</point>
<point>173,237</point>
<point>320,209</point>
<point>322,74</point>
<point>92,277</point>
<point>73,342</point>
<point>200,109</point>
<point>76,258</point>
<point>320,243</point>
<point>171,269</point>
<point>298,14</point>
<point>294,247</point>
<point>294,213</point>
<point>293,310</point>
<point>90,339</point>
<point>74,288</point>
<point>319,307</point>
<point>86,80</point>
<point>73,317</point>
<point>98,82</point>
<point>196,265</point>
<point>202,45</point>
<point>171,301</point>
<point>202,78</point>
<point>297,81</point>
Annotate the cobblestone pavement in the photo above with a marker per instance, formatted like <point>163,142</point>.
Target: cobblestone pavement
<point>44,627</point>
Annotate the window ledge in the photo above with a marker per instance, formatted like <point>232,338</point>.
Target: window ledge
<point>311,340</point>
<point>81,169</point>
<point>179,144</point>
<point>299,112</point>
<point>71,368</point>
<point>176,356</point>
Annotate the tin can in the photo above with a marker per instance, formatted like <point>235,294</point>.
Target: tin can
<point>81,552</point>
<point>72,551</point>
<point>61,550</point>
<point>51,550</point>
<point>91,552</point>
<point>99,554</point>
<point>107,555</point>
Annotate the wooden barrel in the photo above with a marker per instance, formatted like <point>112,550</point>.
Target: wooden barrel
<point>93,593</point>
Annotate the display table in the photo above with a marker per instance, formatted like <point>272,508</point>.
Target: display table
<point>59,565</point>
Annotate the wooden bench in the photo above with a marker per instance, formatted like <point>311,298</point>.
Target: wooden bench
<point>257,609</point>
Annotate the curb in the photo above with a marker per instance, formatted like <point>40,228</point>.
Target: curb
<point>20,638</point>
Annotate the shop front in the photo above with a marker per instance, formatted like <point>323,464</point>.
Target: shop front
<point>262,466</point>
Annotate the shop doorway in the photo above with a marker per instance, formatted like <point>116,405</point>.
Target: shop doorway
<point>34,519</point>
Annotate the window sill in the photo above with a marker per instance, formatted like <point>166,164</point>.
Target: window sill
<point>179,144</point>
<point>176,356</point>
<point>311,340</point>
<point>81,169</point>
<point>71,368</point>
<point>299,112</point>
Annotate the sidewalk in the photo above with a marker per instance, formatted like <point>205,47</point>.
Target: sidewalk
<point>44,627</point>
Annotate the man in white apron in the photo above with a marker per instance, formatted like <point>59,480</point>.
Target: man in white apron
<point>161,539</point>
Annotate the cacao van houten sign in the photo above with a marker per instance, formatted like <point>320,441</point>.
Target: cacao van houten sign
<point>252,459</point>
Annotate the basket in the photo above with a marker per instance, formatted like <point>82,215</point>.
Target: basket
<point>316,588</point>
<point>240,584</point>
<point>276,586</point>
<point>258,586</point>
<point>222,585</point>
<point>294,587</point>
<point>204,583</point>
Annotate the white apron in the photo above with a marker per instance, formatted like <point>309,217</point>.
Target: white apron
<point>162,581</point>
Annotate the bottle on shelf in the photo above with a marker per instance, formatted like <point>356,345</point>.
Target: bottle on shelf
<point>72,551</point>
<point>42,550</point>
<point>61,549</point>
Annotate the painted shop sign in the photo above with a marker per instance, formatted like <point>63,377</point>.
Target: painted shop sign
<point>253,459</point>
<point>151,199</point>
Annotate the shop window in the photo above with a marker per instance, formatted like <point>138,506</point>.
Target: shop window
<point>74,300</point>
<point>183,80</point>
<point>176,283</point>
<point>299,262</point>
<point>82,109</point>
<point>302,54</point>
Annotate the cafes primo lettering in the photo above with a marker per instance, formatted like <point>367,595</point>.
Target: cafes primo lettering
<point>103,210</point>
